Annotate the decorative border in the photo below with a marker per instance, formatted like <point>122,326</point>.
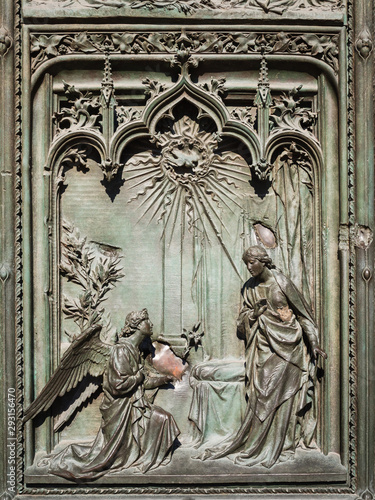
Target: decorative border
<point>186,491</point>
<point>323,46</point>
<point>18,237</point>
<point>19,316</point>
<point>191,6</point>
<point>353,465</point>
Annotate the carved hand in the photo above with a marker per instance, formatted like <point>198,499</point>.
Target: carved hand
<point>318,351</point>
<point>140,376</point>
<point>167,379</point>
<point>259,308</point>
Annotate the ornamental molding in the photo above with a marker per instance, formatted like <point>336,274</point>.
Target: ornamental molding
<point>318,45</point>
<point>191,6</point>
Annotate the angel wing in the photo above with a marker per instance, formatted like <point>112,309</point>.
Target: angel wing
<point>86,356</point>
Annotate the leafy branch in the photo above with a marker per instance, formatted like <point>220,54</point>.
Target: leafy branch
<point>96,273</point>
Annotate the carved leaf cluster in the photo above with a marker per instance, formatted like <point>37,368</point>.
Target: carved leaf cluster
<point>290,115</point>
<point>244,115</point>
<point>125,114</point>
<point>193,338</point>
<point>153,87</point>
<point>215,87</point>
<point>321,46</point>
<point>74,157</point>
<point>96,276</point>
<point>83,113</point>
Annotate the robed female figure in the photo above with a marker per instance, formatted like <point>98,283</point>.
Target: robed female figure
<point>281,348</point>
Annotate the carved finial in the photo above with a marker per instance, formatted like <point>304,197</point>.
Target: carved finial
<point>185,60</point>
<point>262,170</point>
<point>263,95</point>
<point>109,169</point>
<point>263,73</point>
<point>107,83</point>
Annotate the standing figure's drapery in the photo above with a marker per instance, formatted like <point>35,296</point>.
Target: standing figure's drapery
<point>279,375</point>
<point>133,431</point>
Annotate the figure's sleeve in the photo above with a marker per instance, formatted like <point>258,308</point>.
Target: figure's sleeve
<point>246,317</point>
<point>300,308</point>
<point>310,330</point>
<point>121,377</point>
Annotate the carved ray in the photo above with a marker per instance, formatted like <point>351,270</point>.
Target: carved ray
<point>154,197</point>
<point>222,190</point>
<point>150,169</point>
<point>155,193</point>
<point>162,201</point>
<point>178,209</point>
<point>219,237</point>
<point>202,194</point>
<point>215,193</point>
<point>142,182</point>
<point>135,161</point>
<point>169,213</point>
<point>204,230</point>
<point>220,167</point>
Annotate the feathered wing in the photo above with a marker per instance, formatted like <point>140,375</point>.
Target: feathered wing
<point>87,355</point>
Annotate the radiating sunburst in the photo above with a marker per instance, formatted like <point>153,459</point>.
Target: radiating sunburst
<point>191,175</point>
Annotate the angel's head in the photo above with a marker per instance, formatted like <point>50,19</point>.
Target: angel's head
<point>137,320</point>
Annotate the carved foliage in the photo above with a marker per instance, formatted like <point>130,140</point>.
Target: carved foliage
<point>321,46</point>
<point>127,114</point>
<point>288,114</point>
<point>95,276</point>
<point>109,169</point>
<point>83,113</point>
<point>262,170</point>
<point>245,115</point>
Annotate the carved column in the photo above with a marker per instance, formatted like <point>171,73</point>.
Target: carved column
<point>363,241</point>
<point>7,275</point>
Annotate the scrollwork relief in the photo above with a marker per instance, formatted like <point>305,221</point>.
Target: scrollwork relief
<point>321,46</point>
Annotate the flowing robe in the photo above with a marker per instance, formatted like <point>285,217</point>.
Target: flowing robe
<point>133,432</point>
<point>279,375</point>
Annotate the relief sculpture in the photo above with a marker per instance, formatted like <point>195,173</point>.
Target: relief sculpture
<point>193,180</point>
<point>281,350</point>
<point>133,431</point>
